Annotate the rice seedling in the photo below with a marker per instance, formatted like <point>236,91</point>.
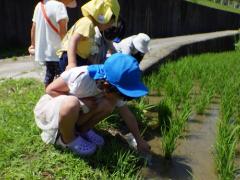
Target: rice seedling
<point>140,108</point>
<point>174,130</point>
<point>228,136</point>
<point>203,100</point>
<point>225,149</point>
<point>164,116</point>
<point>212,74</point>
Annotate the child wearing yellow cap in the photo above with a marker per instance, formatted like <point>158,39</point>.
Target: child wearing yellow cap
<point>78,44</point>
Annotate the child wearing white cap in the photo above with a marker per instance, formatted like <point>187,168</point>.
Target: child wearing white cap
<point>83,96</point>
<point>78,44</point>
<point>48,28</point>
<point>136,45</point>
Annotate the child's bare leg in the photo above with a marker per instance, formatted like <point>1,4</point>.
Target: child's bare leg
<point>69,113</point>
<point>103,109</point>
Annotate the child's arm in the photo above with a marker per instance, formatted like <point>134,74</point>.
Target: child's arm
<point>62,27</point>
<point>32,46</point>
<point>111,47</point>
<point>72,49</point>
<point>132,125</point>
<point>57,87</point>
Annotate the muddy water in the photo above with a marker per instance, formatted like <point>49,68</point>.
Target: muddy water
<point>193,157</point>
<point>154,99</point>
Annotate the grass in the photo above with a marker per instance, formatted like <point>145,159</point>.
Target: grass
<point>185,86</point>
<point>215,5</point>
<point>24,156</point>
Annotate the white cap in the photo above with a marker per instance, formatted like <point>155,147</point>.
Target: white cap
<point>141,42</point>
<point>72,4</point>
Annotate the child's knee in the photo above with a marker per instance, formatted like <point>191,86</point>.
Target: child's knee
<point>70,106</point>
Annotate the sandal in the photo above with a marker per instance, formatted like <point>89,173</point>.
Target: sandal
<point>93,137</point>
<point>79,146</point>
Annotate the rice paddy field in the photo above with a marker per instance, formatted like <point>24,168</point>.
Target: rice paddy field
<point>191,119</point>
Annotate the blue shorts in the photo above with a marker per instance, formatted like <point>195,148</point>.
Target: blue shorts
<point>63,61</point>
<point>52,71</point>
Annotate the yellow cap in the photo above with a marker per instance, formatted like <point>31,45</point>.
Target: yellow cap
<point>101,10</point>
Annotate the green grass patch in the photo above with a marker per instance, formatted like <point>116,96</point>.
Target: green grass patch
<point>216,5</point>
<point>23,155</point>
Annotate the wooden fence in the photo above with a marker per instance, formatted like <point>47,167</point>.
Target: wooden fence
<point>158,18</point>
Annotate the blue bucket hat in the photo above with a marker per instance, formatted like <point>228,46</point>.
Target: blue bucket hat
<point>122,71</point>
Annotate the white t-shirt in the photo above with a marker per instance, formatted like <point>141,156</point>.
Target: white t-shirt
<point>80,84</point>
<point>47,41</point>
<point>125,46</point>
<point>47,109</point>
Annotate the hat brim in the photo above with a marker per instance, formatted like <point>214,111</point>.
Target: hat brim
<point>142,49</point>
<point>101,11</point>
<point>134,91</point>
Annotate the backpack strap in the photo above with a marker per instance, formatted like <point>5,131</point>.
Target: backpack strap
<point>54,28</point>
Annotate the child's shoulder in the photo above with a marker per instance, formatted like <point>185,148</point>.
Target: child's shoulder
<point>51,4</point>
<point>55,4</point>
<point>38,5</point>
<point>85,21</point>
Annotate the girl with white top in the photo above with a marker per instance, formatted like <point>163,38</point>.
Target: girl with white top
<point>83,96</point>
<point>49,26</point>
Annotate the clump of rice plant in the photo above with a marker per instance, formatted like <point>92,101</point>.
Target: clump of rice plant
<point>227,137</point>
<point>139,108</point>
<point>164,116</point>
<point>211,75</point>
<point>176,126</point>
<point>226,149</point>
<point>203,100</point>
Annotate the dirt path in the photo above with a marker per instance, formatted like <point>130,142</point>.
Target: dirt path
<point>21,67</point>
<point>193,158</point>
